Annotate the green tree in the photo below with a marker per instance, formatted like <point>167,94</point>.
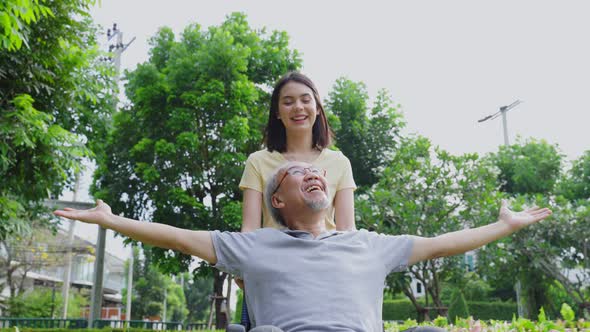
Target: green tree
<point>16,18</point>
<point>147,298</point>
<point>43,302</point>
<point>176,306</point>
<point>54,100</point>
<point>559,250</point>
<point>367,136</point>
<point>528,167</point>
<point>575,184</point>
<point>426,191</point>
<point>197,110</point>
<point>528,172</point>
<point>197,290</point>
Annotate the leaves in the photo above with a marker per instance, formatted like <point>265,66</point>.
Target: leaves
<point>426,191</point>
<point>55,101</point>
<point>367,136</point>
<point>197,110</point>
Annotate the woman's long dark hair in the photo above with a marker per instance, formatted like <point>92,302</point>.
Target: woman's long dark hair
<point>275,136</point>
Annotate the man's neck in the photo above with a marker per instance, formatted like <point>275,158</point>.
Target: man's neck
<point>316,227</point>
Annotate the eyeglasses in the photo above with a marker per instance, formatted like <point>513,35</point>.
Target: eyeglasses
<point>298,170</point>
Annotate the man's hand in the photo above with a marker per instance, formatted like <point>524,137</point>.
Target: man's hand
<point>518,220</point>
<point>97,215</point>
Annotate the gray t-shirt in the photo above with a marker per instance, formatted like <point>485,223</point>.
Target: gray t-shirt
<point>331,283</point>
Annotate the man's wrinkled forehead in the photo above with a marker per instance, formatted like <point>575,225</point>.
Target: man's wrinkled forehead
<point>290,164</point>
<point>280,172</point>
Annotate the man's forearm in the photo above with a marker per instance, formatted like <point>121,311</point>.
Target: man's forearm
<point>196,243</point>
<point>159,235</point>
<point>459,242</point>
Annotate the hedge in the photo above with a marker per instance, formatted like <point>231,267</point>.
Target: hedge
<point>403,309</point>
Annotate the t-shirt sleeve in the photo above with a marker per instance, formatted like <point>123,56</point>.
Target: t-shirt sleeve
<point>347,179</point>
<point>232,250</point>
<point>394,250</point>
<point>251,178</point>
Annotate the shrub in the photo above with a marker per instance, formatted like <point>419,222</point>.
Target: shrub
<point>399,310</point>
<point>458,307</point>
<point>492,310</point>
<point>403,309</point>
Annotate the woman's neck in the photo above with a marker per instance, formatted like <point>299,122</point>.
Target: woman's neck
<point>299,144</point>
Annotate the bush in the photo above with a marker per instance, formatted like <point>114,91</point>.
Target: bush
<point>403,309</point>
<point>493,310</point>
<point>399,310</point>
<point>458,307</point>
<point>40,303</point>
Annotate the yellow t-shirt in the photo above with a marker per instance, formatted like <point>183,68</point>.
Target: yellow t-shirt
<point>261,165</point>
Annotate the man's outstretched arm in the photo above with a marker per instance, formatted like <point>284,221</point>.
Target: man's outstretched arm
<point>196,243</point>
<point>458,242</point>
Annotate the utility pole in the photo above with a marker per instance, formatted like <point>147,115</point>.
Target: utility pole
<point>68,270</point>
<point>96,299</point>
<point>129,287</point>
<point>503,110</point>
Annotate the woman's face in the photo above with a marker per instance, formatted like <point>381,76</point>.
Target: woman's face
<point>297,107</point>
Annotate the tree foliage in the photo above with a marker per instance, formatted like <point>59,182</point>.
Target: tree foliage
<point>151,289</point>
<point>575,184</point>
<point>529,167</point>
<point>197,110</point>
<point>15,19</point>
<point>55,99</point>
<point>425,191</point>
<point>552,254</point>
<point>197,290</point>
<point>43,302</point>
<point>368,136</point>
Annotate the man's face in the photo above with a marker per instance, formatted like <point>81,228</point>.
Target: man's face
<point>303,183</point>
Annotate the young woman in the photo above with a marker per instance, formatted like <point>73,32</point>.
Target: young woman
<point>297,130</point>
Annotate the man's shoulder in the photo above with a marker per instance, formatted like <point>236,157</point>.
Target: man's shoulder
<point>368,234</point>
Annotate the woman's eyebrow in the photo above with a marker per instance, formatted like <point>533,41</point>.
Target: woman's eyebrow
<point>306,94</point>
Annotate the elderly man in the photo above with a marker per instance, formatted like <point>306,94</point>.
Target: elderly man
<point>304,278</point>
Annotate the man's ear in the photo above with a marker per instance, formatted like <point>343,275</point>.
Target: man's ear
<point>277,202</point>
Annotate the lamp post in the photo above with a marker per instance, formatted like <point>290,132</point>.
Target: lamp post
<point>503,110</point>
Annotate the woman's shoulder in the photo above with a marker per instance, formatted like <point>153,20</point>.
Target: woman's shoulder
<point>262,155</point>
<point>334,154</point>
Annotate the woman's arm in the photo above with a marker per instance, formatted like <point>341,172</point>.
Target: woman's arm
<point>251,210</point>
<point>344,210</point>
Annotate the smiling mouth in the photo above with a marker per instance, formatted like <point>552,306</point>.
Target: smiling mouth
<point>299,118</point>
<point>313,188</point>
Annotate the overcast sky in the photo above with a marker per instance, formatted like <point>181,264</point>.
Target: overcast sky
<point>448,63</point>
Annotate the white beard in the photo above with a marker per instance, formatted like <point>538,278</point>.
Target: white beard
<point>318,204</point>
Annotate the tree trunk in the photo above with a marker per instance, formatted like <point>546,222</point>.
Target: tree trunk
<point>221,318</point>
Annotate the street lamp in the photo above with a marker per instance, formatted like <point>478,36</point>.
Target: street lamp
<point>503,110</point>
